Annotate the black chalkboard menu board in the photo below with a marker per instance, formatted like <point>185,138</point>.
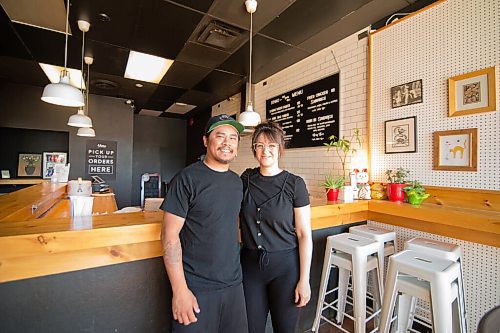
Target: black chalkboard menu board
<point>310,114</point>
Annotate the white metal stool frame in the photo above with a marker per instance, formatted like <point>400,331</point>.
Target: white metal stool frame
<point>441,277</point>
<point>439,249</point>
<point>387,238</point>
<point>360,250</point>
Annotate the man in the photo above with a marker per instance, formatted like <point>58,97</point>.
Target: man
<point>200,237</point>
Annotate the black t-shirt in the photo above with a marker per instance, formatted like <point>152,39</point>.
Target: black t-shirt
<point>267,216</point>
<point>210,202</point>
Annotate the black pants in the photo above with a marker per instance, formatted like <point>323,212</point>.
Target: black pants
<point>221,311</point>
<point>271,287</point>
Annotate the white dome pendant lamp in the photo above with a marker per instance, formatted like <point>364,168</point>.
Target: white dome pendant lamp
<point>63,93</point>
<point>87,131</point>
<point>250,118</point>
<point>80,119</point>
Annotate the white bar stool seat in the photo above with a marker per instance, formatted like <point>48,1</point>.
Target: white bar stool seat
<point>386,237</point>
<point>421,275</point>
<point>441,250</point>
<point>349,253</point>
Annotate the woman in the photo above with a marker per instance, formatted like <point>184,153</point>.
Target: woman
<point>276,235</point>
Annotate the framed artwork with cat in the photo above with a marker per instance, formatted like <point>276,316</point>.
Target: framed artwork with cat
<point>455,150</point>
<point>472,93</point>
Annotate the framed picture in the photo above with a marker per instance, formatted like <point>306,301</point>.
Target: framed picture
<point>472,93</point>
<point>455,150</point>
<point>401,135</point>
<point>29,165</point>
<point>5,174</point>
<point>50,160</point>
<point>406,94</point>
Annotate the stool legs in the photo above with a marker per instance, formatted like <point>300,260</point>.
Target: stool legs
<point>325,275</point>
<point>441,308</point>
<point>342,294</point>
<point>389,299</point>
<point>359,293</point>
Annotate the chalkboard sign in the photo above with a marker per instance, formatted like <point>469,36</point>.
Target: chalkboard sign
<point>101,159</point>
<point>308,115</point>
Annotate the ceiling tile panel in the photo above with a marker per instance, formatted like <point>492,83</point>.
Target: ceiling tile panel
<point>292,28</point>
<point>234,12</point>
<point>201,5</point>
<point>184,75</point>
<point>201,55</point>
<point>123,15</point>
<point>220,82</point>
<point>164,28</point>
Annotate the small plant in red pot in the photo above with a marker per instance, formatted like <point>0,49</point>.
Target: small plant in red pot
<point>333,186</point>
<point>396,185</point>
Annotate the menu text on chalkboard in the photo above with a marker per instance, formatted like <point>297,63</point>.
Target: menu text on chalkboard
<point>309,115</point>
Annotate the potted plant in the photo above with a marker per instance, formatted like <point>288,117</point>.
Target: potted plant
<point>397,182</point>
<point>343,146</point>
<point>415,193</point>
<point>332,186</point>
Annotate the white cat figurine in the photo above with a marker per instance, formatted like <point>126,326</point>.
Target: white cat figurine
<point>364,191</point>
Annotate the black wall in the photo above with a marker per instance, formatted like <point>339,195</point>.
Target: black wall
<point>163,138</point>
<point>159,146</point>
<point>18,140</point>
<point>194,138</point>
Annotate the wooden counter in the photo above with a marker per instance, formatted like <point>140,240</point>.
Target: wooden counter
<point>31,202</point>
<point>54,245</point>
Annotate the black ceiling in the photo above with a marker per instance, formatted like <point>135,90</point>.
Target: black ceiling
<point>286,31</point>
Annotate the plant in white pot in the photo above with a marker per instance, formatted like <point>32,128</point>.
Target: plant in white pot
<point>343,147</point>
<point>332,186</point>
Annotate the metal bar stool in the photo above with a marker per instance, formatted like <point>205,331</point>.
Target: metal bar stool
<point>387,238</point>
<point>441,250</point>
<point>349,253</point>
<point>427,277</point>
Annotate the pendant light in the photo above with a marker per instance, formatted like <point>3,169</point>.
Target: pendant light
<point>87,131</point>
<point>80,119</point>
<point>250,118</point>
<point>63,93</point>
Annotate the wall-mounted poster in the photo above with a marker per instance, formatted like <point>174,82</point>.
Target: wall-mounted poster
<point>29,165</point>
<point>401,135</point>
<point>50,160</point>
<point>472,93</point>
<point>309,115</point>
<point>101,159</point>
<point>455,150</point>
<point>405,94</point>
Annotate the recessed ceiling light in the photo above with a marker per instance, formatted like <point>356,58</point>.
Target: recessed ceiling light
<point>146,67</point>
<point>139,85</point>
<point>53,73</point>
<point>180,104</point>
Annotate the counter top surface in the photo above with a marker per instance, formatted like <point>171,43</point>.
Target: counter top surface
<point>37,247</point>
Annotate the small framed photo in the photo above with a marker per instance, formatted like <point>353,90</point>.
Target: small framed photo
<point>5,174</point>
<point>29,165</point>
<point>50,160</point>
<point>401,135</point>
<point>472,93</point>
<point>455,150</point>
<point>406,94</point>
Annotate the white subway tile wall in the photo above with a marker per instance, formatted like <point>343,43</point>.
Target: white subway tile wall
<point>350,57</point>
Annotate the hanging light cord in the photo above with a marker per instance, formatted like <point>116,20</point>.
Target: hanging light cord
<point>88,87</point>
<point>66,45</point>
<point>83,51</point>
<point>250,60</point>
